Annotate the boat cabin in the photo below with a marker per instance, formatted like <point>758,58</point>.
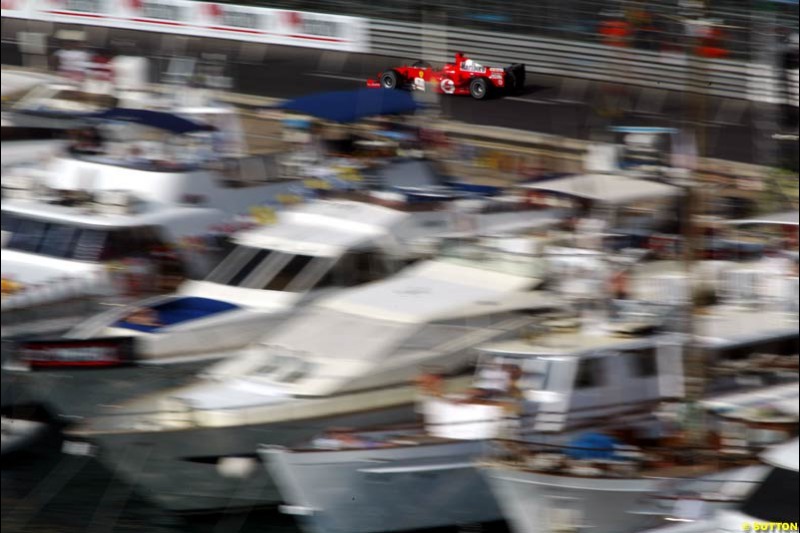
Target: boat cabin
<point>568,374</point>
<point>561,381</point>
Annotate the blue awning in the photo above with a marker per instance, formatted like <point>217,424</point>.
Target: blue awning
<point>351,106</point>
<point>153,119</point>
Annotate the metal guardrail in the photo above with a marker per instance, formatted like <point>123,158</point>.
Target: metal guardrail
<point>670,71</point>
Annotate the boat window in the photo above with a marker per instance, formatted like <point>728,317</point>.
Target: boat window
<point>248,267</point>
<point>775,499</point>
<point>643,362</point>
<point>590,373</point>
<point>9,222</point>
<point>135,241</point>
<point>89,245</point>
<point>69,241</point>
<point>534,374</point>
<point>355,268</point>
<point>230,264</point>
<point>28,236</point>
<point>118,244</point>
<point>59,241</point>
<point>266,269</point>
<point>341,274</point>
<point>369,266</point>
<point>54,239</point>
<point>309,277</point>
<point>282,279</point>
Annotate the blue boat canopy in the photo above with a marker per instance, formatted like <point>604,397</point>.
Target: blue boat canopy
<point>153,119</point>
<point>352,106</point>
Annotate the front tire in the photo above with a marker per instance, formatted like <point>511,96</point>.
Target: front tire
<point>389,80</point>
<point>479,88</point>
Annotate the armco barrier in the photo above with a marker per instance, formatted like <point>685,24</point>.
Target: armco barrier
<point>203,19</point>
<point>732,79</point>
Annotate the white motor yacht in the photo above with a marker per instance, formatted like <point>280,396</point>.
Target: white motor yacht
<point>65,222</point>
<point>347,359</point>
<point>310,250</point>
<point>553,488</point>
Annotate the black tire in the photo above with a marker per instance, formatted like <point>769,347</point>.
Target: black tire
<point>479,88</point>
<point>390,79</point>
<point>511,84</point>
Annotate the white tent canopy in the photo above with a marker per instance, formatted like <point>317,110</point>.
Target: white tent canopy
<point>607,188</point>
<point>788,218</point>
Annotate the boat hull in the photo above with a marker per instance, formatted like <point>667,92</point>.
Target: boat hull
<point>217,468</point>
<point>540,503</point>
<point>77,393</point>
<point>535,502</point>
<point>383,489</point>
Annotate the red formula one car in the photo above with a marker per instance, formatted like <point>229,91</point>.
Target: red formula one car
<point>464,76</point>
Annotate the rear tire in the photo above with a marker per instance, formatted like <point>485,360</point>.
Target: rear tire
<point>479,88</point>
<point>511,83</point>
<point>389,79</point>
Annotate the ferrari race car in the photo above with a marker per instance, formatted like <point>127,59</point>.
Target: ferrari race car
<point>464,76</point>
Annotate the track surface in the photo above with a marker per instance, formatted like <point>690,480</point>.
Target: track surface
<point>729,129</point>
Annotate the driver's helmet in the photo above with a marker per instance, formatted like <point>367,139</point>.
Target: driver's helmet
<point>468,63</point>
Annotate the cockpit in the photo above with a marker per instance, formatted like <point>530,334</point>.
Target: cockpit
<point>468,65</point>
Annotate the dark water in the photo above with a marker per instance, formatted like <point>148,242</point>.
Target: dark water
<point>45,491</point>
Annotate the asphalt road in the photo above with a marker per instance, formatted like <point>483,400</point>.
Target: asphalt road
<point>728,129</point>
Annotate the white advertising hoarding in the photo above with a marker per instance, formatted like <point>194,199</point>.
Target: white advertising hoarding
<point>203,19</point>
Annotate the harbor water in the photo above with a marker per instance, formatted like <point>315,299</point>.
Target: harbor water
<point>46,491</point>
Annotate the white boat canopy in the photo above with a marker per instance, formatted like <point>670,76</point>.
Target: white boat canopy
<point>788,218</point>
<point>436,290</point>
<point>607,188</point>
